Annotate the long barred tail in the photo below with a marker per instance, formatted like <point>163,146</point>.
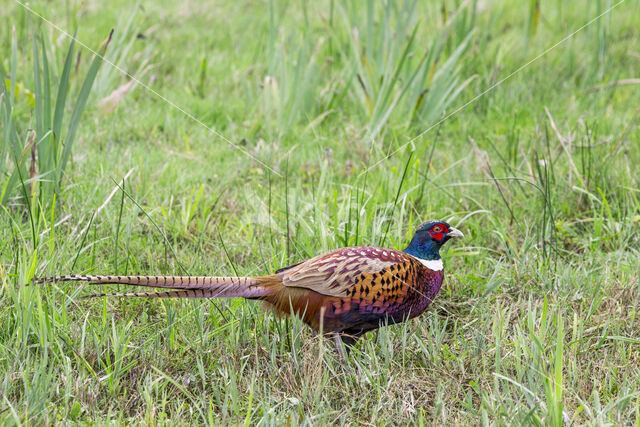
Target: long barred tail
<point>184,286</point>
<point>192,293</point>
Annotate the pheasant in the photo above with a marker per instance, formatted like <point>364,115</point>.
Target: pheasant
<point>345,292</point>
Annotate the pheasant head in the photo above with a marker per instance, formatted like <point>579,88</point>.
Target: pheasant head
<point>429,238</point>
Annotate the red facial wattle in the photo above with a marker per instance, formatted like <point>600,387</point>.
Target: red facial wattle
<point>437,236</point>
<point>438,232</point>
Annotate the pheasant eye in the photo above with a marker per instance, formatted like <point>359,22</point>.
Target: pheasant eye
<point>437,229</point>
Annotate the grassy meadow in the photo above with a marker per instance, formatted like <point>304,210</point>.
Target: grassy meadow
<point>259,133</point>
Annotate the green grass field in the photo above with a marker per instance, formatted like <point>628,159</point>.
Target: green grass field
<point>261,133</point>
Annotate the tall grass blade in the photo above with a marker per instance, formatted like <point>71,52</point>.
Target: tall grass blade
<point>63,90</point>
<point>11,144</point>
<point>74,121</point>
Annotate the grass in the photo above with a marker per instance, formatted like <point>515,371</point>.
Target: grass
<point>537,321</point>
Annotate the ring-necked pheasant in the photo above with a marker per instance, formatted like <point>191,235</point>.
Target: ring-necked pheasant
<point>345,292</point>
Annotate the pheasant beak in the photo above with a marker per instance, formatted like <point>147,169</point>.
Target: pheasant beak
<point>454,232</point>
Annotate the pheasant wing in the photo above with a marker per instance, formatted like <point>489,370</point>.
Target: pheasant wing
<point>334,273</point>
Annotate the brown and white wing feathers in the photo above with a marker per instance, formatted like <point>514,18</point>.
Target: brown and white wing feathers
<point>336,272</point>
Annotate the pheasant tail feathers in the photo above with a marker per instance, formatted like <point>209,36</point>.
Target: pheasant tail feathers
<point>182,286</point>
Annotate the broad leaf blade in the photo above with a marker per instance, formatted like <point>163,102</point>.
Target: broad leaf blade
<point>63,89</point>
<point>80,105</point>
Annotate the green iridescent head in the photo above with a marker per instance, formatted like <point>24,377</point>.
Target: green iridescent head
<point>429,238</point>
